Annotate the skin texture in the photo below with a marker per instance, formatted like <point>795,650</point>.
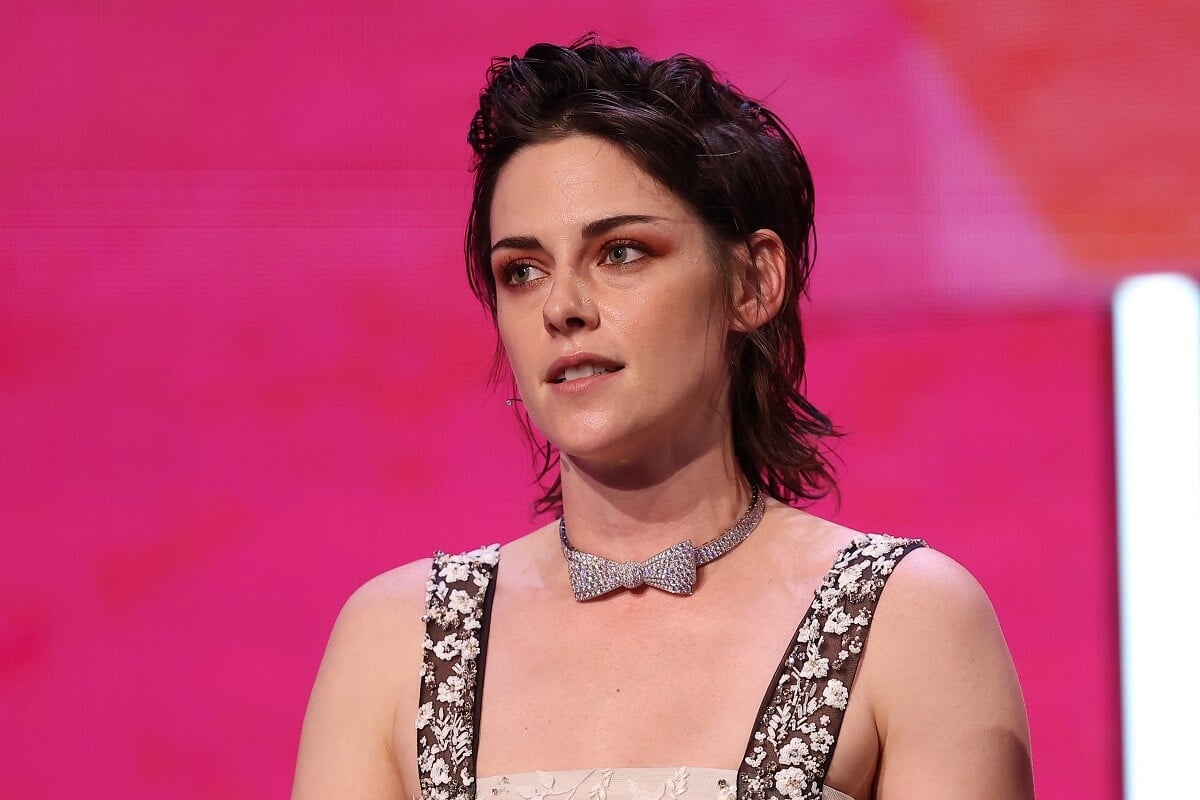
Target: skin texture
<point>644,678</point>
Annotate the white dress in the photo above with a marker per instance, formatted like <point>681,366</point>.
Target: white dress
<point>639,783</point>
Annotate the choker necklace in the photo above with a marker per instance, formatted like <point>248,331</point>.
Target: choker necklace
<point>673,570</point>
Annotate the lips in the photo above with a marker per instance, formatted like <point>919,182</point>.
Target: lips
<point>580,365</point>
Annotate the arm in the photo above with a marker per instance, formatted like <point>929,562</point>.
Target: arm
<point>948,706</point>
<point>366,688</point>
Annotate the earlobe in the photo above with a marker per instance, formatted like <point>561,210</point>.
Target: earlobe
<point>760,287</point>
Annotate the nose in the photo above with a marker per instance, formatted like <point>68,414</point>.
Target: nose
<point>568,307</point>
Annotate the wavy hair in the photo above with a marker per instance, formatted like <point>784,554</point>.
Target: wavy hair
<point>733,162</point>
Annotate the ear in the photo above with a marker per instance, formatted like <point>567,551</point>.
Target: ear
<point>758,290</point>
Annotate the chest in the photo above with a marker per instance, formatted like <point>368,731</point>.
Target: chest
<point>644,679</point>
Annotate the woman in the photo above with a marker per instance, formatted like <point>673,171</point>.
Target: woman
<point>640,232</point>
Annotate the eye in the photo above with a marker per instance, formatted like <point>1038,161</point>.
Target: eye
<point>521,272</point>
<point>623,253</point>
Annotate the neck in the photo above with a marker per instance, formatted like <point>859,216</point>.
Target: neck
<point>632,513</point>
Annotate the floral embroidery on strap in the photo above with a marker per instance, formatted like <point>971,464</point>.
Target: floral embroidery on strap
<point>456,596</point>
<point>794,738</point>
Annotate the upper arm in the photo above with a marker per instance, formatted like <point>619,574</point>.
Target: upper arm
<point>369,669</point>
<point>951,717</point>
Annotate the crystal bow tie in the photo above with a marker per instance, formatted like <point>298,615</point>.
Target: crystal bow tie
<point>673,570</point>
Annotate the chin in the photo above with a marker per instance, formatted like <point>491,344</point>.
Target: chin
<point>590,439</point>
<point>591,448</point>
<point>626,452</point>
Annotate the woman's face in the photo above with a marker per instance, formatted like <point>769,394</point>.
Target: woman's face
<point>608,305</point>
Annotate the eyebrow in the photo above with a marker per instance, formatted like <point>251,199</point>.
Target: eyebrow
<point>592,229</point>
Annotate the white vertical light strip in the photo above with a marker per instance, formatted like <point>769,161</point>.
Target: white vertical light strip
<point>1156,349</point>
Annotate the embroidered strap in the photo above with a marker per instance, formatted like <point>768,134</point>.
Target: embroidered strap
<point>458,597</point>
<point>798,724</point>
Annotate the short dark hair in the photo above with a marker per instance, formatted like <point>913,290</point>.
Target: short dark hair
<point>732,161</point>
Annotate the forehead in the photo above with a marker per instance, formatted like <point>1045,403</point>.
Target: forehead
<point>571,181</point>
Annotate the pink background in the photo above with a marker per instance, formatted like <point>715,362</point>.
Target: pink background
<point>241,372</point>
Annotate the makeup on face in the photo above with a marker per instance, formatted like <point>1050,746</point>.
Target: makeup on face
<point>605,299</point>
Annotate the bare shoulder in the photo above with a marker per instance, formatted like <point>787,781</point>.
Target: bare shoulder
<point>931,606</point>
<point>382,618</point>
<point>392,595</point>
<point>936,593</point>
<point>943,688</point>
<point>367,673</point>
<point>805,541</point>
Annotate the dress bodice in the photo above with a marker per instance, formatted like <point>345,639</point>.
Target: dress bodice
<point>638,783</point>
<point>795,730</point>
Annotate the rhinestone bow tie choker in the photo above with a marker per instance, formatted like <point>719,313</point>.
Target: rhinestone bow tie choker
<point>673,570</point>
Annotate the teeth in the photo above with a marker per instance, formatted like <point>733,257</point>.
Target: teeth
<point>582,371</point>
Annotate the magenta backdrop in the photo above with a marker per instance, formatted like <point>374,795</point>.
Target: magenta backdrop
<point>241,372</point>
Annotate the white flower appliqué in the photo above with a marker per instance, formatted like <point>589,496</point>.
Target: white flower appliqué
<point>793,753</point>
<point>791,782</point>
<point>836,694</point>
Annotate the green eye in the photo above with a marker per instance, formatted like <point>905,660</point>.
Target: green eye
<point>520,273</point>
<point>623,254</point>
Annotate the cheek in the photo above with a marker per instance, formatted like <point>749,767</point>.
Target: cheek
<point>701,341</point>
<point>688,318</point>
<point>517,339</point>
